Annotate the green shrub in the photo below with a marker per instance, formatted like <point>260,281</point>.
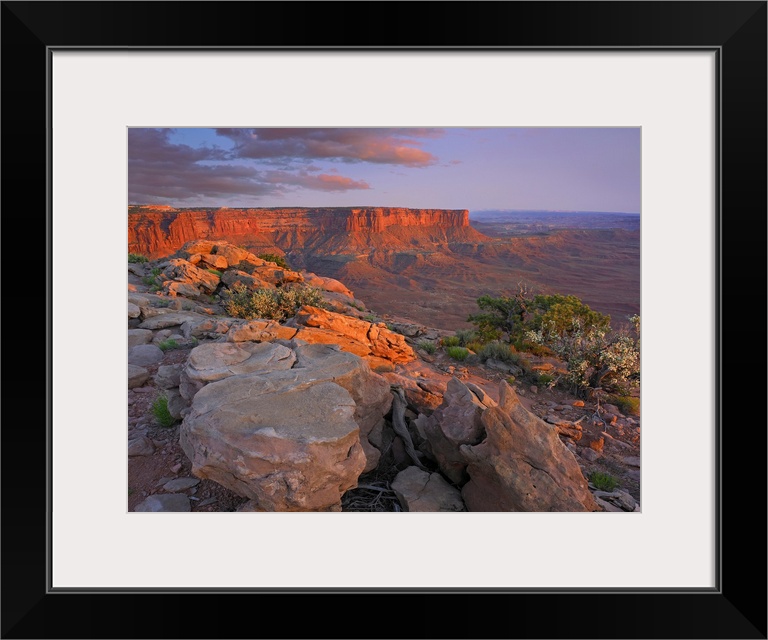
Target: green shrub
<point>137,257</point>
<point>450,341</point>
<point>629,405</point>
<point>457,353</point>
<point>371,317</point>
<point>391,327</point>
<point>215,272</point>
<point>545,379</point>
<point>151,280</point>
<point>168,345</point>
<point>428,346</point>
<point>498,351</point>
<point>273,257</point>
<point>271,304</point>
<point>161,413</point>
<point>474,346</point>
<point>466,336</point>
<point>603,481</point>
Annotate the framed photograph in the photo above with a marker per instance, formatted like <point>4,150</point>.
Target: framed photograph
<point>689,77</point>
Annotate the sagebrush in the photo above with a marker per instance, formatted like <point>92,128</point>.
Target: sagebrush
<point>270,304</point>
<point>280,261</point>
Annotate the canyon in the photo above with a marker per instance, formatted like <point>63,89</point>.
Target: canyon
<point>426,265</point>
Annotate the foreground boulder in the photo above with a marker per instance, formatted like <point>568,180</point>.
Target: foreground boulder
<point>456,422</point>
<point>290,438</point>
<point>287,440</point>
<point>522,465</point>
<point>370,391</point>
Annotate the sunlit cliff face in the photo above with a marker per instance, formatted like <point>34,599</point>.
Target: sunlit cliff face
<point>161,230</point>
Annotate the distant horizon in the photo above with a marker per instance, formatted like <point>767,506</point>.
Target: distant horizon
<point>594,169</point>
<point>385,206</point>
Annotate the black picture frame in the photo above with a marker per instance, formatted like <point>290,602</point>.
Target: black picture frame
<point>734,609</point>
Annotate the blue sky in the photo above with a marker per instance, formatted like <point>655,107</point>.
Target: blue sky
<point>561,169</point>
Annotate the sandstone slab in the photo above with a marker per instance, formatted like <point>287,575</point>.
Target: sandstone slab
<point>173,502</point>
<point>137,376</point>
<point>139,336</point>
<point>419,490</point>
<point>144,355</point>
<point>170,319</point>
<point>218,360</point>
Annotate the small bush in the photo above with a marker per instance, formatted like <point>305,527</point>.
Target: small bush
<point>168,345</point>
<point>161,413</point>
<point>545,378</point>
<point>450,341</point>
<point>603,481</point>
<point>629,405</point>
<point>270,304</point>
<point>457,353</point>
<point>466,336</point>
<point>215,272</point>
<point>428,346</point>
<point>498,351</point>
<point>391,327</point>
<point>474,346</point>
<point>371,317</point>
<point>137,257</point>
<point>273,257</point>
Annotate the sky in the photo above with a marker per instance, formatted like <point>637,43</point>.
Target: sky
<point>553,169</point>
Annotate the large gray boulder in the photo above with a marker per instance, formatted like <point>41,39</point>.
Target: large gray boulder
<point>287,440</point>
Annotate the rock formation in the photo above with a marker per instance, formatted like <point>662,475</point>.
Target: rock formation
<point>292,438</point>
<point>522,465</point>
<point>159,231</point>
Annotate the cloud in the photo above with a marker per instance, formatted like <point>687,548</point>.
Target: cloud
<point>159,170</point>
<point>320,182</point>
<point>399,146</point>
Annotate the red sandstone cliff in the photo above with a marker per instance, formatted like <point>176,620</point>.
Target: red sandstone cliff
<point>159,230</point>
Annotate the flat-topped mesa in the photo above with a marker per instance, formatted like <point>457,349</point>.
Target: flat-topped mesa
<point>379,218</point>
<point>160,230</point>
